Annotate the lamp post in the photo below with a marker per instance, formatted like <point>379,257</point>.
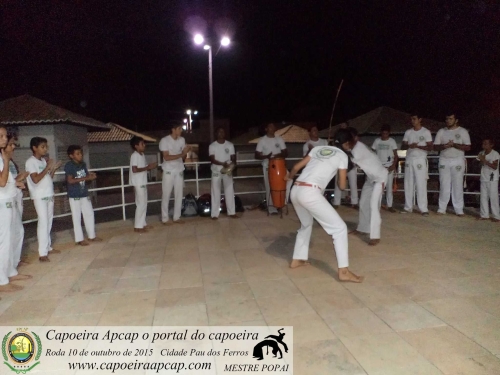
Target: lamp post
<point>199,40</point>
<point>190,123</point>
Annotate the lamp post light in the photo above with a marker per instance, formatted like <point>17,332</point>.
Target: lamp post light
<point>199,40</point>
<point>190,120</point>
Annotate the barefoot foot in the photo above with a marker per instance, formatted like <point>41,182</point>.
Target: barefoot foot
<point>20,277</point>
<point>299,263</point>
<point>347,276</point>
<point>374,242</point>
<point>44,259</point>
<point>10,288</point>
<point>355,232</point>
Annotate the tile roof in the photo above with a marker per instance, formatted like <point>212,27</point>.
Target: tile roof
<point>371,122</point>
<point>290,134</point>
<point>116,134</point>
<point>28,110</point>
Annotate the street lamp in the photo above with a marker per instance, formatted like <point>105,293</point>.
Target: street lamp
<point>199,40</point>
<point>190,120</point>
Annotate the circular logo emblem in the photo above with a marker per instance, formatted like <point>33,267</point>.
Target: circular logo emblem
<point>421,138</point>
<point>419,166</point>
<point>277,145</point>
<point>21,348</point>
<point>325,153</point>
<point>458,167</point>
<point>457,136</point>
<point>227,151</point>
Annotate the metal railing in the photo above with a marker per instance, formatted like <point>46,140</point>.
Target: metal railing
<point>197,181</point>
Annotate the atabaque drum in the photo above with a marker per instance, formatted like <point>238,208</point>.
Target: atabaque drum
<point>277,172</point>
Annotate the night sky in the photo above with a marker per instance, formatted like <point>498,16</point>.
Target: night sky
<point>134,62</point>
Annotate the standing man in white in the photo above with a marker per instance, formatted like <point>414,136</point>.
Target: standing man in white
<point>418,141</point>
<point>489,181</point>
<point>41,189</point>
<point>352,177</point>
<point>370,220</point>
<point>313,141</point>
<point>138,178</point>
<point>387,151</point>
<point>269,146</point>
<point>221,155</point>
<point>320,166</point>
<point>452,142</point>
<point>174,152</point>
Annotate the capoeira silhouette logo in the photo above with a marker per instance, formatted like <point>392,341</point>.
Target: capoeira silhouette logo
<point>273,342</point>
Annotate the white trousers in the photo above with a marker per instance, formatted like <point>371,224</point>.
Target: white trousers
<point>141,206</point>
<point>309,203</point>
<point>79,207</point>
<point>6,256</point>
<point>388,189</point>
<point>451,182</point>
<point>227,181</point>
<point>416,178</point>
<point>270,206</point>
<point>172,180</point>
<point>17,229</point>
<point>370,220</point>
<point>489,194</point>
<point>45,210</point>
<point>352,178</point>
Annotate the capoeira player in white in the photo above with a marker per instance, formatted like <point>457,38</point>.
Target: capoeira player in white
<point>352,178</point>
<point>174,152</point>
<point>320,166</point>
<point>452,141</point>
<point>313,141</point>
<point>271,146</point>
<point>370,220</point>
<point>221,155</point>
<point>387,151</point>
<point>417,140</point>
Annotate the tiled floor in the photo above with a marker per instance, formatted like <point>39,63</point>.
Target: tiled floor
<point>430,303</point>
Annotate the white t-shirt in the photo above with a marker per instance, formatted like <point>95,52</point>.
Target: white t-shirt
<point>319,142</point>
<point>420,137</point>
<point>323,166</point>
<point>139,178</point>
<point>10,189</point>
<point>487,173</point>
<point>369,162</point>
<point>45,187</point>
<point>385,150</point>
<point>458,135</point>
<point>174,147</point>
<point>222,152</point>
<point>268,145</point>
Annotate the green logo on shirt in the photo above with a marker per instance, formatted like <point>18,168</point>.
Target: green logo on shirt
<point>325,153</point>
<point>441,167</point>
<point>227,151</point>
<point>419,166</point>
<point>457,136</point>
<point>277,145</point>
<point>8,204</point>
<point>458,168</point>
<point>421,138</point>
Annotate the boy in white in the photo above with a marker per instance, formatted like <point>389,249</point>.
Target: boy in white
<point>138,178</point>
<point>417,141</point>
<point>320,166</point>
<point>313,141</point>
<point>271,146</point>
<point>387,151</point>
<point>41,190</point>
<point>17,217</point>
<point>370,220</point>
<point>452,141</point>
<point>8,193</point>
<point>221,155</point>
<point>174,152</point>
<point>352,177</point>
<point>489,181</point>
